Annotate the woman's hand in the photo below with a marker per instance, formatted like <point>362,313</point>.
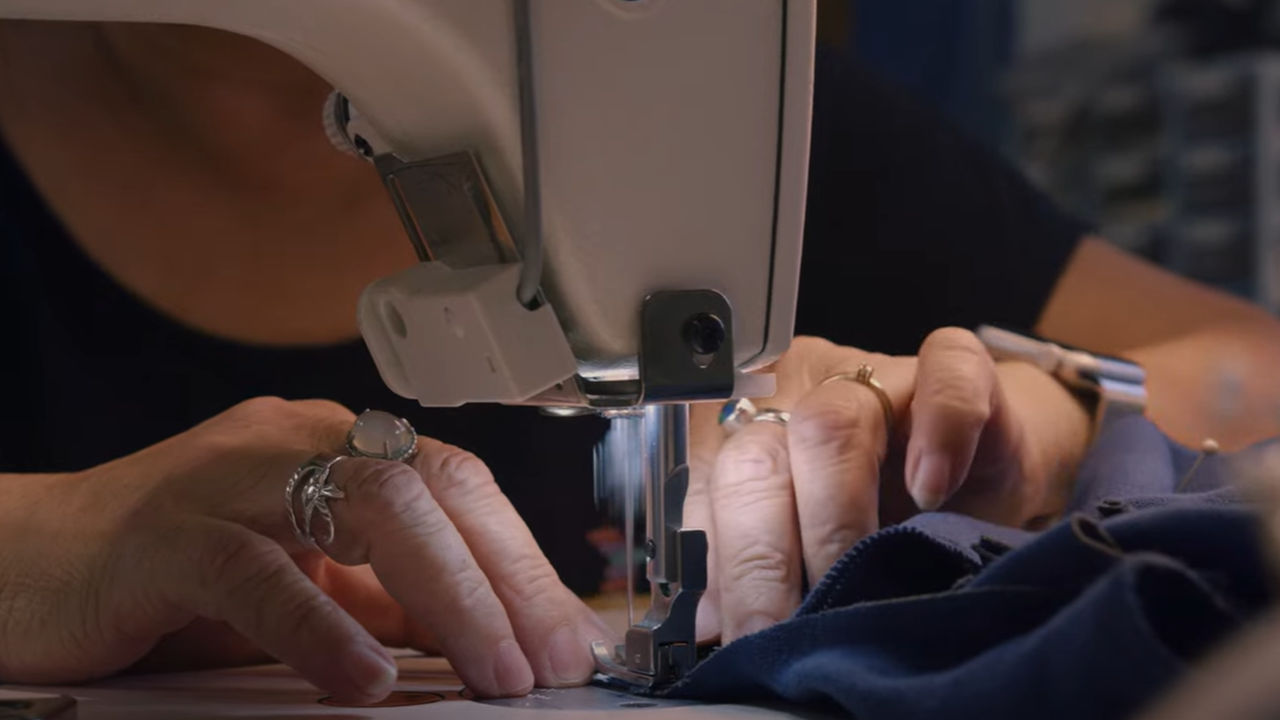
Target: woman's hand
<point>184,554</point>
<point>998,442</point>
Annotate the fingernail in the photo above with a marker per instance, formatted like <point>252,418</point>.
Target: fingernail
<point>929,486</point>
<point>569,657</point>
<point>373,671</point>
<point>511,670</point>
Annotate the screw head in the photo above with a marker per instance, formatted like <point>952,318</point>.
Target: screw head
<point>705,333</point>
<point>362,146</point>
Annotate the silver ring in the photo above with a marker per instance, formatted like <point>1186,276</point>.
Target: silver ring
<point>382,436</point>
<point>772,415</point>
<point>735,414</point>
<point>310,490</point>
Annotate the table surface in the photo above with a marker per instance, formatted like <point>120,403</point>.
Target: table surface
<point>276,692</point>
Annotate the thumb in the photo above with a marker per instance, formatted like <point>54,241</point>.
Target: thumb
<point>955,399</point>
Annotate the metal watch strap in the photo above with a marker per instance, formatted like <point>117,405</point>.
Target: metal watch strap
<point>1113,386</point>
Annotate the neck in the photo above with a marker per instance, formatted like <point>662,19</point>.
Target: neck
<point>223,105</point>
<point>234,101</point>
<point>220,174</point>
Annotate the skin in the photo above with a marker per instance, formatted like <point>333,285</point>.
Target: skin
<point>220,177</point>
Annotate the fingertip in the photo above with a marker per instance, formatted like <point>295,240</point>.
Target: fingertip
<point>930,484</point>
<point>569,660</point>
<point>512,674</point>
<point>371,674</point>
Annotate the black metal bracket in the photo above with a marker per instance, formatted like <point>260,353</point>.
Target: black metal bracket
<point>686,346</point>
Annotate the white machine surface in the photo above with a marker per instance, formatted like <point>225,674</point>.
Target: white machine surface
<point>275,692</point>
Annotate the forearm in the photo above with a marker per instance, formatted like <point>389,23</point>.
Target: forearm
<point>1215,382</point>
<point>1211,359</point>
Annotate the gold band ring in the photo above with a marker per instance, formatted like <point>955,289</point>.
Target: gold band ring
<point>864,377</point>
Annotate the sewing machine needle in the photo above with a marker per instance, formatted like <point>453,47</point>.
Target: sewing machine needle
<point>629,528</point>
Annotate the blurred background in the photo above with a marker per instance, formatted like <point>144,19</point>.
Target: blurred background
<point>1156,120</point>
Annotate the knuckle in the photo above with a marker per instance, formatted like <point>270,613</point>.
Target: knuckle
<point>212,449</point>
<point>473,590</point>
<point>259,407</point>
<point>958,402</point>
<point>249,422</point>
<point>833,545</point>
<point>748,459</point>
<point>454,468</point>
<point>803,351</point>
<point>233,565</point>
<point>392,497</point>
<point>321,407</point>
<point>304,423</point>
<point>531,583</point>
<point>961,349</point>
<point>462,482</point>
<point>243,579</point>
<point>808,344</point>
<point>955,339</point>
<point>758,565</point>
<point>384,486</point>
<point>826,427</point>
<point>299,615</point>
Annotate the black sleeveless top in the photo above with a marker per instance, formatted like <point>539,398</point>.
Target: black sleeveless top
<point>910,227</point>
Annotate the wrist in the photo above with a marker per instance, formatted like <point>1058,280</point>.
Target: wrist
<point>1056,425</point>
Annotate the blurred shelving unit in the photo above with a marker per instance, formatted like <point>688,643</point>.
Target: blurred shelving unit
<point>1222,172</point>
<point>1175,159</point>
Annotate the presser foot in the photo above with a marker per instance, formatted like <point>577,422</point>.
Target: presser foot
<point>612,667</point>
<point>662,649</point>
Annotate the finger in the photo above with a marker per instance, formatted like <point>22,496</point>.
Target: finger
<point>390,520</point>
<point>955,390</point>
<point>706,438</point>
<point>796,373</point>
<point>553,625</point>
<point>838,439</point>
<point>226,572</point>
<point>358,592</point>
<point>757,545</point>
<point>202,644</point>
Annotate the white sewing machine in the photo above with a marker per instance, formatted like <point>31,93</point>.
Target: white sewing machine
<point>607,198</point>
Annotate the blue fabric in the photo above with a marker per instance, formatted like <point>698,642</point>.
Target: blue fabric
<point>945,616</point>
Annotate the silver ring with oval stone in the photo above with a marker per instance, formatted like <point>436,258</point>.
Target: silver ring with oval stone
<point>382,436</point>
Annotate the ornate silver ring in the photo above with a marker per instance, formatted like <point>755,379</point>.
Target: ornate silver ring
<point>307,497</point>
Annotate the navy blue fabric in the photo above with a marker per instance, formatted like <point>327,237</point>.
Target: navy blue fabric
<point>945,616</point>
